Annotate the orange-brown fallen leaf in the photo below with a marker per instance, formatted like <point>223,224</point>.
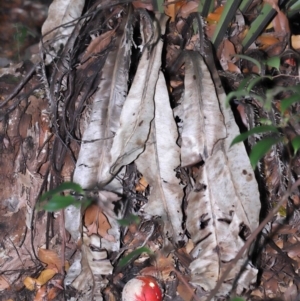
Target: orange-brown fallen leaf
<point>41,294</point>
<point>4,284</point>
<point>90,214</point>
<point>185,294</point>
<point>96,45</point>
<point>92,228</point>
<point>295,41</point>
<point>67,265</point>
<point>187,8</point>
<point>30,283</point>
<point>266,40</point>
<point>141,185</point>
<point>50,257</point>
<point>215,16</point>
<point>172,9</point>
<point>45,276</point>
<point>96,222</point>
<point>281,24</point>
<point>227,56</point>
<point>143,4</point>
<point>104,226</point>
<point>55,289</point>
<point>210,30</point>
<point>231,67</point>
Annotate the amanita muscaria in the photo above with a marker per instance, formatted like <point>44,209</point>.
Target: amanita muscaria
<point>142,288</point>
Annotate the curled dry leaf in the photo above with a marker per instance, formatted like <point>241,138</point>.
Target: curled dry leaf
<point>171,8</point>
<point>30,283</point>
<point>73,271</point>
<point>186,295</point>
<point>295,41</point>
<point>56,288</point>
<point>223,207</point>
<point>199,138</point>
<point>41,294</point>
<point>45,276</point>
<point>73,221</point>
<point>94,263</point>
<point>266,40</point>
<point>94,159</point>
<point>162,155</point>
<point>215,16</point>
<point>55,33</point>
<point>228,58</point>
<point>143,4</point>
<point>281,24</point>
<point>187,8</point>
<point>97,45</point>
<point>141,185</point>
<point>97,223</point>
<point>50,257</point>
<point>4,284</point>
<point>138,110</point>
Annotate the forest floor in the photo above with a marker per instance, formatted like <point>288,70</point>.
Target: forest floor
<point>278,259</point>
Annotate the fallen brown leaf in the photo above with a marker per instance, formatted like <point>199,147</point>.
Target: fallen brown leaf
<point>4,284</point>
<point>141,185</point>
<point>49,257</point>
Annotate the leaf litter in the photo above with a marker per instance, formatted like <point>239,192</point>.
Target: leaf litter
<point>199,201</point>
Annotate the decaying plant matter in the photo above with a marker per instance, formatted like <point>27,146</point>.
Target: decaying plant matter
<point>132,109</point>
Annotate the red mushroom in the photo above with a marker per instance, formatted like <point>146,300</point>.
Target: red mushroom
<point>142,288</point>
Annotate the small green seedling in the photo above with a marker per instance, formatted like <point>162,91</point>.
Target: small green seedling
<point>54,200</point>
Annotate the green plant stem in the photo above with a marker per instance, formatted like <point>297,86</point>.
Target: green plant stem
<point>226,17</point>
<point>205,7</point>
<point>244,5</point>
<point>258,25</point>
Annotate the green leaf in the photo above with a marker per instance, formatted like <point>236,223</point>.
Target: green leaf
<point>270,95</point>
<point>245,5</point>
<point>64,186</point>
<point>158,5</point>
<point>205,7</point>
<point>295,88</point>
<point>259,24</point>
<point>135,253</point>
<point>261,148</point>
<point>237,299</point>
<point>255,81</point>
<point>287,102</point>
<point>250,59</point>
<point>129,220</point>
<point>293,9</point>
<point>296,144</point>
<point>58,202</point>
<point>235,94</point>
<point>256,130</point>
<point>227,15</point>
<point>265,121</point>
<point>273,62</point>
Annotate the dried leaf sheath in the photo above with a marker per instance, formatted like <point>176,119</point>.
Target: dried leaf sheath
<point>203,122</point>
<point>162,155</point>
<point>94,158</point>
<point>138,110</point>
<point>60,12</point>
<point>224,206</point>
